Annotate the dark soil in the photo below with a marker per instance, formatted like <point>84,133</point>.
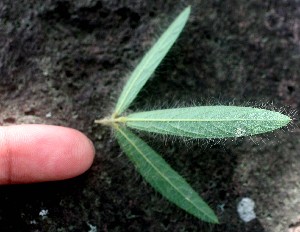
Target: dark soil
<point>64,63</point>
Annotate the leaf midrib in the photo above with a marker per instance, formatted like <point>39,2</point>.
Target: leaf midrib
<point>125,119</point>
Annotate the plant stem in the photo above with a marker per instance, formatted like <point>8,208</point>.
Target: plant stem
<point>110,121</point>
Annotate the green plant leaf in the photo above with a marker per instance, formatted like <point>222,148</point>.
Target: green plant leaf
<point>162,177</point>
<point>150,62</point>
<point>208,121</point>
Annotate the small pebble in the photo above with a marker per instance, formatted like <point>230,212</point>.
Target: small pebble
<point>245,209</point>
<point>43,213</point>
<point>49,115</point>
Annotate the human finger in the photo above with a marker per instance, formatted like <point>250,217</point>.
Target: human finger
<point>36,153</point>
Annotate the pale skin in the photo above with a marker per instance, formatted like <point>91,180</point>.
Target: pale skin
<point>38,153</point>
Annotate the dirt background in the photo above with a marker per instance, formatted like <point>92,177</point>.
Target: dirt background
<point>64,63</point>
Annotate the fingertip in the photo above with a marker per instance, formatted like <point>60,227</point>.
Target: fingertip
<point>81,154</point>
<point>35,153</point>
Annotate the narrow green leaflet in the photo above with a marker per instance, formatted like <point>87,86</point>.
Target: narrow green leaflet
<point>162,177</point>
<point>150,62</point>
<point>208,121</point>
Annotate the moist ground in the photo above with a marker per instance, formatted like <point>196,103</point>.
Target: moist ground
<point>64,63</point>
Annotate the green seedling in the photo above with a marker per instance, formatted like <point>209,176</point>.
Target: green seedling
<point>192,122</point>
